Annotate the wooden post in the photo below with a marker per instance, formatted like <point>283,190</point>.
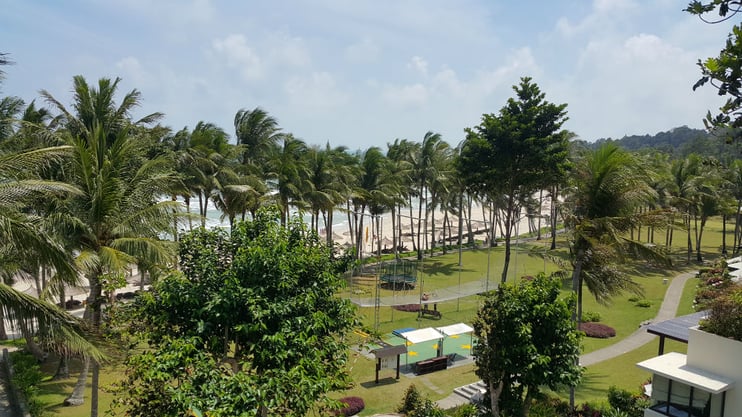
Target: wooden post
<point>378,366</point>
<point>398,366</point>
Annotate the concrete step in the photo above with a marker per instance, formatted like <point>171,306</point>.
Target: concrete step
<point>469,391</point>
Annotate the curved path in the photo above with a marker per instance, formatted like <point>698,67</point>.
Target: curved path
<point>639,338</point>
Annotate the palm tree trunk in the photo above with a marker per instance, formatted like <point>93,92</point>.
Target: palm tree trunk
<point>724,234</point>
<point>78,393</point>
<point>412,226</point>
<point>737,228</point>
<point>187,200</point>
<point>690,243</point>
<point>3,330</point>
<point>699,236</point>
<point>419,223</point>
<point>63,369</point>
<point>394,231</point>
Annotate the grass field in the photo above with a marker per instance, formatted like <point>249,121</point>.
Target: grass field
<point>442,271</point>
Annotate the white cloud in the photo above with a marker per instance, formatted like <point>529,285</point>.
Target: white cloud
<point>419,65</point>
<point>315,92</point>
<point>364,51</point>
<point>520,62</point>
<point>238,54</point>
<point>415,95</point>
<point>131,69</point>
<point>287,50</point>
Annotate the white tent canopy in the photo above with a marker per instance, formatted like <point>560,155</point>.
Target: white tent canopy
<point>454,329</point>
<point>422,335</point>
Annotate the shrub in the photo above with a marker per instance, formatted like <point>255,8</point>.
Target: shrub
<point>725,315</point>
<point>597,330</point>
<point>644,303</point>
<point>427,409</point>
<point>632,405</point>
<point>411,401</point>
<point>590,316</point>
<point>467,410</point>
<point>27,376</point>
<point>352,406</point>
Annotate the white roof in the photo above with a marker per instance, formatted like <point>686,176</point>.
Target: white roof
<point>422,335</point>
<point>674,366</point>
<point>454,329</point>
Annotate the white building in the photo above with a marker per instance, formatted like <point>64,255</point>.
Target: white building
<point>707,382</point>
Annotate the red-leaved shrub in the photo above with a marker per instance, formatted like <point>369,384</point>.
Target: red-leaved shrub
<point>410,308</point>
<point>598,330</point>
<point>353,406</point>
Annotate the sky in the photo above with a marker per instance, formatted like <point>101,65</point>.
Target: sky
<point>362,73</point>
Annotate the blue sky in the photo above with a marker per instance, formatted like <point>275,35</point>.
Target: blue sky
<point>362,73</point>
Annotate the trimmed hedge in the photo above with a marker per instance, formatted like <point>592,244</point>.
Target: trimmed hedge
<point>353,406</point>
<point>597,330</point>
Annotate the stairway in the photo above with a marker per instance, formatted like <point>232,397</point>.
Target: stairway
<point>472,391</point>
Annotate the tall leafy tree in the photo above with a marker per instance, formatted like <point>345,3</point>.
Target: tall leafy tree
<point>724,72</point>
<point>526,341</point>
<point>252,326</point>
<point>512,153</point>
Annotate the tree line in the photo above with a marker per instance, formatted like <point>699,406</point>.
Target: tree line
<point>86,189</point>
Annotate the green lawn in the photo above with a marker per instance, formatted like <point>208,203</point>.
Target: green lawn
<point>442,271</point>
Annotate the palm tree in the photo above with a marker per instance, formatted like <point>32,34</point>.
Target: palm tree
<point>735,179</point>
<point>323,191</point>
<point>427,168</point>
<point>23,240</point>
<point>400,178</point>
<point>259,135</point>
<point>287,172</point>
<point>608,185</point>
<point>119,208</point>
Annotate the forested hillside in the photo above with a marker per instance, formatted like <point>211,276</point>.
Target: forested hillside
<point>678,142</point>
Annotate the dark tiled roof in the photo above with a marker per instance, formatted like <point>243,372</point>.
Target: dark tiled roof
<point>677,328</point>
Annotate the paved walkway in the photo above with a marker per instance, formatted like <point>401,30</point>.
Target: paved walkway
<point>639,338</point>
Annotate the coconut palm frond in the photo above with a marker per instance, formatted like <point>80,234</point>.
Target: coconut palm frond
<point>153,251</point>
<point>20,308</point>
<point>115,260</point>
<point>17,192</point>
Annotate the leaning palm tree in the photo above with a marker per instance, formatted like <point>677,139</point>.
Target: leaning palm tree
<point>24,240</point>
<point>608,185</point>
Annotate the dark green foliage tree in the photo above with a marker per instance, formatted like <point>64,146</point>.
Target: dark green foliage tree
<point>526,341</point>
<point>724,72</point>
<point>412,400</point>
<point>516,152</point>
<point>251,326</point>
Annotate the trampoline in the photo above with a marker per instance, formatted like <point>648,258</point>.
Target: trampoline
<point>399,275</point>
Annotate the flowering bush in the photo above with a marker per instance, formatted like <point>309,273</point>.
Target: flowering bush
<point>411,308</point>
<point>725,314</point>
<point>598,330</point>
<point>713,283</point>
<point>353,406</point>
